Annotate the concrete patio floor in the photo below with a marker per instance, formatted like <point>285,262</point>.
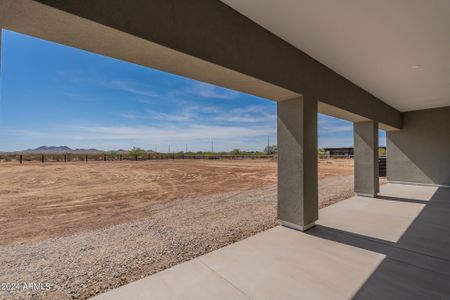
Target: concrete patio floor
<point>396,246</point>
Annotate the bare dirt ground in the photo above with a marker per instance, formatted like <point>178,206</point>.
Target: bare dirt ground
<point>40,201</point>
<point>86,228</point>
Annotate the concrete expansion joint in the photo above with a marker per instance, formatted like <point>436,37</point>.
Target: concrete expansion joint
<point>199,259</point>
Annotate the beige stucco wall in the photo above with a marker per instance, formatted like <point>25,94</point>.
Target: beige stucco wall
<point>420,152</point>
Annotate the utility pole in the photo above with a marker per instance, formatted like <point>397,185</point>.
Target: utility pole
<point>169,148</point>
<point>156,148</point>
<point>212,146</point>
<point>186,149</point>
<point>268,144</point>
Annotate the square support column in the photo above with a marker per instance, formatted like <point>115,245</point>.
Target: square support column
<point>297,162</point>
<point>366,158</point>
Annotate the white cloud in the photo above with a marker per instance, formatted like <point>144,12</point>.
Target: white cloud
<point>207,90</point>
<point>246,118</point>
<point>208,114</point>
<point>146,100</point>
<point>184,115</point>
<point>331,142</point>
<point>248,114</point>
<point>333,128</point>
<point>130,116</point>
<point>196,89</point>
<point>99,136</point>
<point>166,134</point>
<point>250,109</point>
<point>128,87</point>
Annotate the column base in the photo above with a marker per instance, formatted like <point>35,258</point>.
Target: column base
<point>367,195</point>
<point>297,227</point>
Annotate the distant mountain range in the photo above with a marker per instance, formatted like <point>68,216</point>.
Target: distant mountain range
<point>62,149</point>
<point>59,149</point>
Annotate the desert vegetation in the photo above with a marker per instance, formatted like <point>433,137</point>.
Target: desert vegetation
<point>65,154</point>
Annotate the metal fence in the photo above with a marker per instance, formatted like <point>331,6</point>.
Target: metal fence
<point>86,157</point>
<point>382,166</point>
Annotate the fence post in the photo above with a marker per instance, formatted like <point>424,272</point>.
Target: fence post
<point>42,158</point>
<point>136,157</point>
<point>104,157</point>
<point>65,157</point>
<point>20,158</point>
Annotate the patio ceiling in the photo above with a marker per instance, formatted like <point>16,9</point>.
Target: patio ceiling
<point>398,51</point>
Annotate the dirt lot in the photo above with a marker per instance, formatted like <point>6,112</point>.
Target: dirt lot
<point>40,201</point>
<point>87,228</point>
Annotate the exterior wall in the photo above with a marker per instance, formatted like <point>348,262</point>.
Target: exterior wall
<point>420,152</point>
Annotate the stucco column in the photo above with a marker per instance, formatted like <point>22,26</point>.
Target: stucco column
<point>297,162</point>
<point>366,158</point>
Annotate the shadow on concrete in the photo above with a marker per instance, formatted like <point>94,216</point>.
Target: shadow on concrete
<point>415,267</point>
<point>402,199</point>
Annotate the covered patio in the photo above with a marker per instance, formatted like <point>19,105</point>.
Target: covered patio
<point>394,246</point>
<point>378,64</point>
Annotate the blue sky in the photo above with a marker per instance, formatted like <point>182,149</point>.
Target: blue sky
<point>57,95</point>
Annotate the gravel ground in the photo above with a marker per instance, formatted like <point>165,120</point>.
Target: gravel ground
<point>85,264</point>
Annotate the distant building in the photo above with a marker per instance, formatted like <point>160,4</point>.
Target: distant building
<point>339,151</point>
<point>346,152</point>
